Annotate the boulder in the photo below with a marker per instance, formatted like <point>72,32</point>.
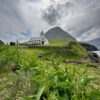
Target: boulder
<point>94,57</point>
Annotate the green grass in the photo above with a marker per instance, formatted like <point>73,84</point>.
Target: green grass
<point>61,45</point>
<point>59,42</point>
<point>76,52</point>
<point>41,79</point>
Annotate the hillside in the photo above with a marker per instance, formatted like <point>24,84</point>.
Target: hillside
<point>95,42</point>
<point>89,47</point>
<point>36,74</point>
<point>56,34</point>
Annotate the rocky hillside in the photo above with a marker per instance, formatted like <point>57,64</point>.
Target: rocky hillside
<point>95,42</point>
<point>88,47</point>
<point>57,34</point>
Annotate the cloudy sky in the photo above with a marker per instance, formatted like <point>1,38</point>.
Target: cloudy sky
<point>23,19</point>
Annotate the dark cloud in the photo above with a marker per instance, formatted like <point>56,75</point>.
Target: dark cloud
<point>21,19</point>
<point>51,15</point>
<point>87,25</point>
<point>80,17</point>
<point>56,11</point>
<point>34,0</point>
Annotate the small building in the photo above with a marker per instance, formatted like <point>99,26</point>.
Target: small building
<point>12,43</point>
<point>39,40</point>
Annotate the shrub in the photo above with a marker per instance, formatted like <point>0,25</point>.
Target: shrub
<point>92,65</point>
<point>9,57</point>
<point>55,83</point>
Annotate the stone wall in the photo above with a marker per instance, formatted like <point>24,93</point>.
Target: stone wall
<point>47,47</point>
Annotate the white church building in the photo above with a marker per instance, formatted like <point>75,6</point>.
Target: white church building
<point>39,40</point>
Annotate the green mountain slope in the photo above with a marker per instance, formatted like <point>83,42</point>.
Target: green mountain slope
<point>56,34</point>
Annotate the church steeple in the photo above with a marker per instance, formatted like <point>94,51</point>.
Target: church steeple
<point>42,34</point>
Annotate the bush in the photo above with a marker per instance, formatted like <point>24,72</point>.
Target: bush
<point>55,83</point>
<point>92,65</point>
<point>9,58</point>
<point>1,42</point>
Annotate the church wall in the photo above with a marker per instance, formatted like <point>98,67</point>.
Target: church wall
<point>42,38</point>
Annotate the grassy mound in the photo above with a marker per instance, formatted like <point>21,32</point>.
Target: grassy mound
<point>76,51</point>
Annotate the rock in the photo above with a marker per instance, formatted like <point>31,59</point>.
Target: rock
<point>89,47</point>
<point>94,57</point>
<point>72,62</point>
<point>47,59</point>
<point>40,56</point>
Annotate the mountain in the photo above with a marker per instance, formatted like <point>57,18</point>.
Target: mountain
<point>95,42</point>
<point>57,34</point>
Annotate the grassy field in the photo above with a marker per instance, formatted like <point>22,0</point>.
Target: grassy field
<point>76,52</point>
<point>40,74</point>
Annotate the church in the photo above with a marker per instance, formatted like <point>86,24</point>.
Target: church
<point>39,40</point>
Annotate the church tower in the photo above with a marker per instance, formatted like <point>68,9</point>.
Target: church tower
<point>42,34</point>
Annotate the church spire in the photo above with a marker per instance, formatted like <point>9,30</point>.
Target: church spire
<point>42,34</point>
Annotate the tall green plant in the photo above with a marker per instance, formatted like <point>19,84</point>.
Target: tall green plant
<point>68,83</point>
<point>9,58</point>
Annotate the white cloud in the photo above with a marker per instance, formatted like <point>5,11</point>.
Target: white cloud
<point>17,17</point>
<point>82,19</point>
<point>22,19</point>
